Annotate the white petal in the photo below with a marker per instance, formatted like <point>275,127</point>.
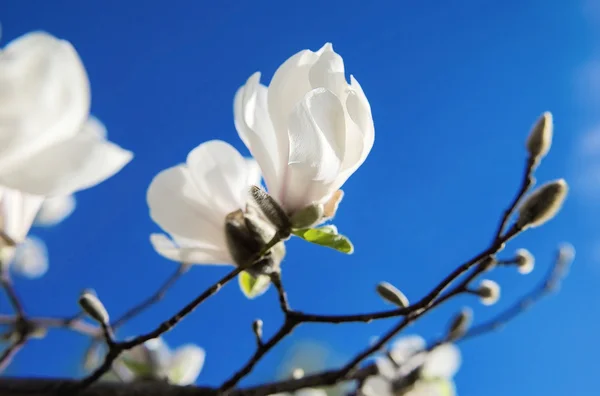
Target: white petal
<point>328,72</point>
<point>186,364</point>
<point>69,165</point>
<point>55,209</point>
<point>31,258</point>
<point>221,175</point>
<point>406,347</point>
<point>189,254</point>
<point>287,88</point>
<point>179,208</point>
<point>386,367</point>
<point>438,387</point>
<point>254,172</point>
<point>17,211</point>
<point>254,127</point>
<point>44,96</point>
<point>442,362</point>
<point>376,386</point>
<point>317,141</point>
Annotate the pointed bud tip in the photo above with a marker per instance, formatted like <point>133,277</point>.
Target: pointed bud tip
<point>91,305</point>
<point>540,138</point>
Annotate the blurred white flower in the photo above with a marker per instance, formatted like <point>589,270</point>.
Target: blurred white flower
<point>154,359</point>
<point>17,211</point>
<point>48,143</point>
<point>309,130</point>
<point>303,392</point>
<point>436,369</point>
<point>191,202</point>
<point>55,209</point>
<point>31,258</point>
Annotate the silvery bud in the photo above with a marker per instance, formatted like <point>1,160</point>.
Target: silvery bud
<point>272,211</point>
<point>460,324</point>
<point>392,295</point>
<point>540,138</point>
<point>92,306</point>
<point>308,216</point>
<point>489,292</point>
<point>257,328</point>
<point>543,204</point>
<point>525,261</point>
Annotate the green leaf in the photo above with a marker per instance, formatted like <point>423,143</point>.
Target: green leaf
<point>253,287</point>
<point>326,236</point>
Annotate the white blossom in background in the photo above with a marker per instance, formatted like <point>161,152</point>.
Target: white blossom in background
<point>438,367</point>
<point>17,212</point>
<point>191,201</point>
<point>154,359</point>
<point>55,209</point>
<point>49,145</point>
<point>309,129</point>
<point>31,258</point>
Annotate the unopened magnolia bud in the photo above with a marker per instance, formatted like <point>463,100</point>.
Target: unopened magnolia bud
<point>543,204</point>
<point>525,261</point>
<point>460,324</point>
<point>392,295</point>
<point>308,216</point>
<point>92,306</point>
<point>540,137</point>
<point>271,209</point>
<point>257,328</point>
<point>489,291</point>
<point>566,255</point>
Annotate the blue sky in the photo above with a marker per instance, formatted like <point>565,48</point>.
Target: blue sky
<point>454,90</point>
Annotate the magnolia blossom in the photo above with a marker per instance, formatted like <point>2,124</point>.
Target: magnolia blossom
<point>309,130</point>
<point>192,202</point>
<point>49,145</point>
<point>31,258</point>
<point>436,369</point>
<point>55,209</point>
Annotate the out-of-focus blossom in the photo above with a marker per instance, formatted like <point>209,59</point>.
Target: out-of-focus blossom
<point>31,258</point>
<point>55,209</point>
<point>309,130</point>
<point>17,211</point>
<point>411,370</point>
<point>49,145</point>
<point>154,360</point>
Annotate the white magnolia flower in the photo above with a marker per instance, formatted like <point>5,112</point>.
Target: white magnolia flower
<point>191,202</point>
<point>303,392</point>
<point>55,209</point>
<point>309,130</point>
<point>48,143</point>
<point>31,258</point>
<point>154,359</point>
<point>17,211</point>
<point>437,368</point>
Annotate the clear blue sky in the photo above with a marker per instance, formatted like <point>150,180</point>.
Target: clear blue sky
<point>454,88</point>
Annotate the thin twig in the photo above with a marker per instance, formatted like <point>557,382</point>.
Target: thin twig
<point>11,351</point>
<point>11,294</point>
<point>118,347</point>
<point>153,299</point>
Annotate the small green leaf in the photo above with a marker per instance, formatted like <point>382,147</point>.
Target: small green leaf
<point>253,287</point>
<point>326,236</point>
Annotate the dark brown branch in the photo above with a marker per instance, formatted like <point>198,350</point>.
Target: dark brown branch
<point>10,351</point>
<point>52,387</point>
